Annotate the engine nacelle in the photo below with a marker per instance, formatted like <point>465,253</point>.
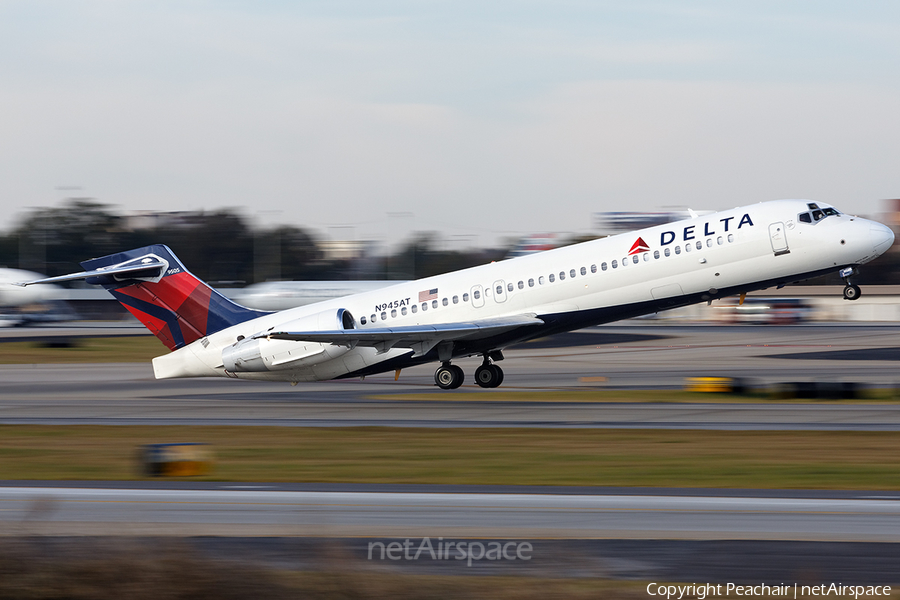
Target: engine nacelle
<point>258,354</point>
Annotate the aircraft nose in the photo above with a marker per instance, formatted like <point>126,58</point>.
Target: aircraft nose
<point>882,237</point>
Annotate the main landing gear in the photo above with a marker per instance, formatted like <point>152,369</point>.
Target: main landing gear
<point>851,291</point>
<point>448,377</point>
<point>488,375</point>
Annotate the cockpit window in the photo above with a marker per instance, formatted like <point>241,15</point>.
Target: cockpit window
<point>816,214</point>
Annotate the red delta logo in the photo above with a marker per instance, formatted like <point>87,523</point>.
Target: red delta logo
<point>639,246</point>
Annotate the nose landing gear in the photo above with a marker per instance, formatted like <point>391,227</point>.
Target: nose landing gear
<point>851,291</point>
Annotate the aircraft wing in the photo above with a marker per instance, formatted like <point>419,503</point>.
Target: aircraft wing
<point>420,338</point>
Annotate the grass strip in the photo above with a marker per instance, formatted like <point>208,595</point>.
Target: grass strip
<point>655,458</point>
<point>82,350</point>
<point>142,569</point>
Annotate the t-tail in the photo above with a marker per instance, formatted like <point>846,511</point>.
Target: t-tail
<point>157,289</point>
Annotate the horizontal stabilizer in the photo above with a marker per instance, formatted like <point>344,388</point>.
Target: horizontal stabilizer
<point>151,269</point>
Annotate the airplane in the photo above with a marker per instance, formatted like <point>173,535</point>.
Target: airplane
<point>482,310</point>
<point>35,305</point>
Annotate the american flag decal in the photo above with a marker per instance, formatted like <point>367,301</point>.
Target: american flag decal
<point>428,295</point>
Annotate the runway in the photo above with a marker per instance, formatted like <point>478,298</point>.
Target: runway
<point>630,533</point>
<point>247,510</point>
<point>626,356</point>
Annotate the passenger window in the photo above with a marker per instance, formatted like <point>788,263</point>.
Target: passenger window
<point>805,218</point>
<point>434,304</point>
<point>719,240</point>
<point>466,297</point>
<point>362,320</point>
<point>455,299</point>
<point>687,247</point>
<point>635,259</point>
<point>730,237</point>
<point>394,313</point>
<point>584,271</point>
<point>509,287</point>
<point>541,280</point>
<point>552,278</point>
<point>656,254</point>
<point>572,273</point>
<point>625,262</point>
<point>699,245</point>
<point>521,285</point>
<point>709,242</point>
<point>562,275</point>
<point>476,294</point>
<point>603,266</point>
<point>384,316</point>
<point>615,264</point>
<point>445,302</point>
<point>667,252</point>
<point>415,307</point>
<point>424,306</point>
<point>594,268</point>
<point>531,283</point>
<point>677,249</point>
<point>646,256</point>
<point>372,318</point>
<point>403,311</point>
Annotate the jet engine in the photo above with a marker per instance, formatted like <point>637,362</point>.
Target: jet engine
<point>258,353</point>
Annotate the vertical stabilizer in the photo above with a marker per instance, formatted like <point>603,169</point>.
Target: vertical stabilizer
<point>171,302</point>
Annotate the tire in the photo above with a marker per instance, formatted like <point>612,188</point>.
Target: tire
<point>499,375</point>
<point>448,377</point>
<point>488,376</point>
<point>852,292</point>
<point>460,376</point>
<point>485,376</point>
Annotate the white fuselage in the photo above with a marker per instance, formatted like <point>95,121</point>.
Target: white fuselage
<point>594,282</point>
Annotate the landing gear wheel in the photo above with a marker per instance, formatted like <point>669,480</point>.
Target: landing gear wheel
<point>852,292</point>
<point>448,377</point>
<point>499,375</point>
<point>488,376</point>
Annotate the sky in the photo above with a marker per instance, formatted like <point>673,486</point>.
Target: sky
<point>478,120</point>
